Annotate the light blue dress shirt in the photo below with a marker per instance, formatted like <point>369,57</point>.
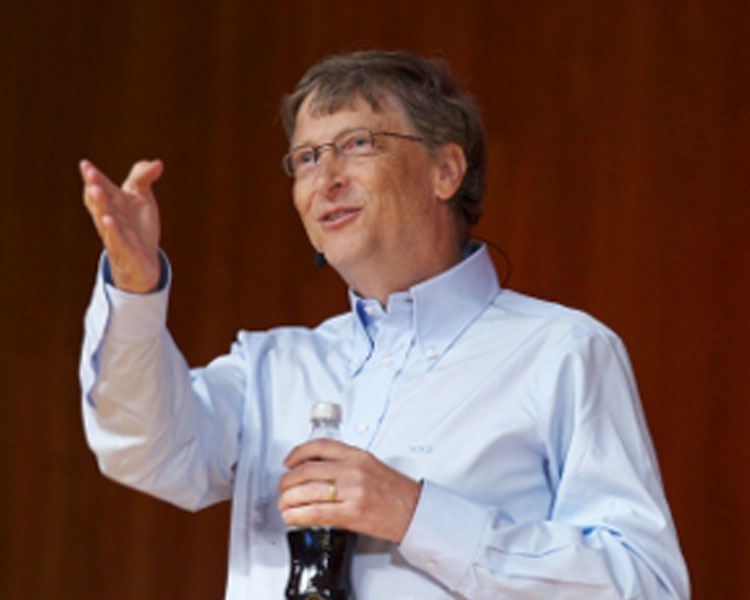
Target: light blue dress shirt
<point>521,417</point>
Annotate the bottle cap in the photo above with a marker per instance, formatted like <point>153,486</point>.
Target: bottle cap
<point>329,411</point>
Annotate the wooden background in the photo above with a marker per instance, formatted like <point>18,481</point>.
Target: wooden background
<point>619,135</point>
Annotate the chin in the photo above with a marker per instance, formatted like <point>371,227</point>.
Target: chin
<point>338,250</point>
<point>341,259</point>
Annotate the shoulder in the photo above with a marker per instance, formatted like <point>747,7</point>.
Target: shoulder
<point>545,317</point>
<point>572,354</point>
<point>578,366</point>
<point>547,334</point>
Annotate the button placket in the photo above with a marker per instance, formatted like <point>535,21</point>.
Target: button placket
<point>391,335</point>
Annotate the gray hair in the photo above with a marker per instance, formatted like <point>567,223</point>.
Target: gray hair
<point>435,103</point>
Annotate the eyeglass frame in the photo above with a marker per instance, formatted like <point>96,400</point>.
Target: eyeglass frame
<point>286,160</point>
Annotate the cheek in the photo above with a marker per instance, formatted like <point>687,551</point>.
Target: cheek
<point>394,180</point>
<point>303,208</point>
<point>300,204</point>
<point>408,196</point>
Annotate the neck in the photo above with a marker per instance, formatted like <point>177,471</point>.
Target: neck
<point>382,279</point>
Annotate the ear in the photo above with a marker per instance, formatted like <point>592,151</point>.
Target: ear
<point>450,167</point>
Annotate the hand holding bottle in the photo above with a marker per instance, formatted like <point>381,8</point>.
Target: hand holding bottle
<point>370,497</point>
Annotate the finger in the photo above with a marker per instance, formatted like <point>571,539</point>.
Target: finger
<point>83,166</point>
<point>313,470</point>
<point>319,513</point>
<point>112,237</point>
<point>115,242</point>
<point>320,449</point>
<point>142,176</point>
<point>106,224</point>
<point>86,168</point>
<point>97,189</point>
<point>91,175</point>
<point>97,204</point>
<point>309,493</point>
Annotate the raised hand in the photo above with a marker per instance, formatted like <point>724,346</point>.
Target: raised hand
<point>127,220</point>
<point>330,483</point>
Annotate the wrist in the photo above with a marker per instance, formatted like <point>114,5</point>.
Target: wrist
<point>144,281</point>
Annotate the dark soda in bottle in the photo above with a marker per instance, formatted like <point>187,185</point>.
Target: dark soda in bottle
<point>321,557</point>
<point>321,563</point>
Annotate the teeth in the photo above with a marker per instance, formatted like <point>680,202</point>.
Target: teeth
<point>339,213</point>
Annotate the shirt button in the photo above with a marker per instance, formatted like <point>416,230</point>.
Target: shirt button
<point>362,427</point>
<point>387,361</point>
<point>431,352</point>
<point>431,564</point>
<point>369,310</point>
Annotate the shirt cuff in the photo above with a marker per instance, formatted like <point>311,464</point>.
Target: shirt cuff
<point>445,534</point>
<point>136,317</point>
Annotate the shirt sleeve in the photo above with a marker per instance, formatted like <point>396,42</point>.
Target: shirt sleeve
<point>153,423</point>
<point>608,534</point>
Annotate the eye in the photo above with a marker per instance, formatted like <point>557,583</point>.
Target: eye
<point>357,142</point>
<point>303,157</point>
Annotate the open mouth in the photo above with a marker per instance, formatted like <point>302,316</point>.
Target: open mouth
<point>340,215</point>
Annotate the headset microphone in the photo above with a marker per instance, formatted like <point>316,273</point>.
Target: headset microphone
<point>319,260</point>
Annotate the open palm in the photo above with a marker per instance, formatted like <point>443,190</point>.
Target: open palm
<point>127,220</point>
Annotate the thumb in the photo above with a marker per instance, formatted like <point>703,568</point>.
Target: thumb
<point>142,176</point>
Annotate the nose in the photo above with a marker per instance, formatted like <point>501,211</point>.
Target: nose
<point>320,150</point>
<point>329,172</point>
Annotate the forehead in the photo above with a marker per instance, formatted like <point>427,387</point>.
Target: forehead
<point>316,122</point>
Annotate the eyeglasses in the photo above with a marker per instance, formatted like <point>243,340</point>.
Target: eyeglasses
<point>302,160</point>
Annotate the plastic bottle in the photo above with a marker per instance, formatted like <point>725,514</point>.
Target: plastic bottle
<point>321,556</point>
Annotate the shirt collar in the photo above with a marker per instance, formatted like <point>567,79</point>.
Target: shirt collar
<point>443,306</point>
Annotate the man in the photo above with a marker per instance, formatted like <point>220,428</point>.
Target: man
<point>494,445</point>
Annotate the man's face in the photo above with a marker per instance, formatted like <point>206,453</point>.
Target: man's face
<point>369,214</point>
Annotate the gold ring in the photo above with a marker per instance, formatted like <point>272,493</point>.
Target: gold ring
<point>331,491</point>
